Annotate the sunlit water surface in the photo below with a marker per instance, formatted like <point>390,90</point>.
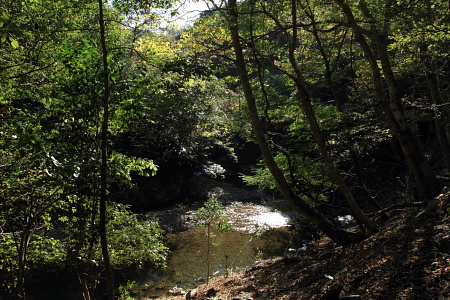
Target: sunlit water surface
<point>259,232</point>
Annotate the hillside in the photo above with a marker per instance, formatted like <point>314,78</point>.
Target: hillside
<point>408,259</point>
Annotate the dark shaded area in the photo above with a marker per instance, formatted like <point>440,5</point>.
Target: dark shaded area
<point>405,260</point>
<point>171,184</point>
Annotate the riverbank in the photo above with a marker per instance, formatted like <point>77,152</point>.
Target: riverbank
<point>261,228</point>
<point>181,217</point>
<point>408,259</point>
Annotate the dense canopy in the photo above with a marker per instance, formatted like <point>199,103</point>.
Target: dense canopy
<point>109,108</point>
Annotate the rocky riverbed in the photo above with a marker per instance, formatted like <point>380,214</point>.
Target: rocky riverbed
<point>243,206</point>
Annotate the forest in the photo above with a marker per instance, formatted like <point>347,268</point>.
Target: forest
<point>110,109</point>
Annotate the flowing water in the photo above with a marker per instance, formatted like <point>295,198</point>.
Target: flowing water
<point>259,232</point>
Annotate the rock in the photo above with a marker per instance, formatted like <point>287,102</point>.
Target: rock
<point>211,293</point>
<point>443,243</point>
<point>191,294</point>
<point>332,293</point>
<point>176,291</point>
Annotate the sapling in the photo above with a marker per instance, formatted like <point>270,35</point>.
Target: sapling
<point>212,218</point>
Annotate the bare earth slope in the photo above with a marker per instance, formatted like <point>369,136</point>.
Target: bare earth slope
<point>408,259</point>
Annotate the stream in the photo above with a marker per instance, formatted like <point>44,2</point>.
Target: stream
<point>261,230</point>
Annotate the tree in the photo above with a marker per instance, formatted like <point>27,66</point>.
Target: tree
<point>52,114</point>
<point>35,176</point>
<point>104,150</point>
<point>331,53</point>
<point>420,38</point>
<point>211,216</point>
<point>391,105</point>
<point>314,216</point>
<point>299,80</point>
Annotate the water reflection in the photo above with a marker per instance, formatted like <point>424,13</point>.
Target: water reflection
<point>260,232</point>
<point>249,217</point>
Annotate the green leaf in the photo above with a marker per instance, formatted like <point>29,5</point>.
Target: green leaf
<point>14,43</point>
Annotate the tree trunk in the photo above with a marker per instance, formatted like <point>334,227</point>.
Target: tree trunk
<point>347,136</point>
<point>82,280</point>
<point>104,160</point>
<point>360,216</point>
<point>337,235</point>
<point>414,157</point>
<point>25,237</point>
<point>439,113</point>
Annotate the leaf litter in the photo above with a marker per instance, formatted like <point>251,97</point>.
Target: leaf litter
<point>408,259</point>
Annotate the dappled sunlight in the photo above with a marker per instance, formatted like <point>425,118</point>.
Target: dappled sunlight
<point>251,217</point>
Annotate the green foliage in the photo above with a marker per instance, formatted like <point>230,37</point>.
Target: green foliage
<point>122,167</point>
<point>128,7</point>
<point>180,110</point>
<point>307,176</point>
<point>124,291</point>
<point>133,241</point>
<point>43,251</point>
<point>261,177</point>
<point>211,215</point>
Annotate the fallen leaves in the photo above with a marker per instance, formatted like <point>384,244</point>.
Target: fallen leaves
<point>403,261</point>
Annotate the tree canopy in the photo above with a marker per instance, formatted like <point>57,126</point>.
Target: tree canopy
<point>105,101</point>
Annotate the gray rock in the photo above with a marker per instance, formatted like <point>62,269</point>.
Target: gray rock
<point>191,294</point>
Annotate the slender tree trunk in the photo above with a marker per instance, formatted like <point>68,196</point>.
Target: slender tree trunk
<point>25,236</point>
<point>208,249</point>
<point>436,98</point>
<point>360,216</point>
<point>22,249</point>
<point>104,160</point>
<point>414,157</point>
<point>82,280</point>
<point>337,235</point>
<point>423,173</point>
<point>347,136</point>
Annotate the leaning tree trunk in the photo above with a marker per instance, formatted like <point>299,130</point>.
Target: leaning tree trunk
<point>414,157</point>
<point>347,130</point>
<point>337,235</point>
<point>104,160</point>
<point>360,216</point>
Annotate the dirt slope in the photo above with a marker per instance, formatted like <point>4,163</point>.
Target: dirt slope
<point>408,259</point>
